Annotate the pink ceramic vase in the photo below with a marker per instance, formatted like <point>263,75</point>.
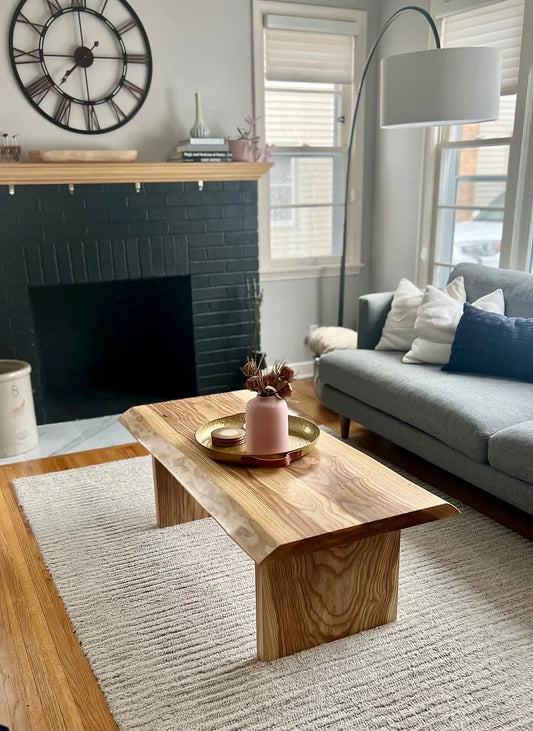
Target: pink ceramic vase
<point>267,425</point>
<point>242,150</point>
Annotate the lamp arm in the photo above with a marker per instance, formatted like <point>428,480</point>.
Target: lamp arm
<point>393,17</point>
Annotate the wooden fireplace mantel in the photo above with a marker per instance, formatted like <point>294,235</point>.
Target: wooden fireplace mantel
<point>13,174</point>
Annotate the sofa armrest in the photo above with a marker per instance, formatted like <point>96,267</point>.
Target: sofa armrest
<point>373,310</point>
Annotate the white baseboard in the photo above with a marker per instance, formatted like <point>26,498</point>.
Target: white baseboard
<point>302,370</point>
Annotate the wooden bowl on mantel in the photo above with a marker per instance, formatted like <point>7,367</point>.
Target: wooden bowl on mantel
<point>83,155</point>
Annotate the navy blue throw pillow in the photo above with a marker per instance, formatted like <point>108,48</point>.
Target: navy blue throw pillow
<point>492,344</point>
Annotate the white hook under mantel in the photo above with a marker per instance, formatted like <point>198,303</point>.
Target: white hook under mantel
<point>137,187</point>
<point>200,185</point>
<point>71,188</point>
<point>11,189</point>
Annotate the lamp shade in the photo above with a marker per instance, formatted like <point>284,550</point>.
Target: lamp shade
<point>441,86</point>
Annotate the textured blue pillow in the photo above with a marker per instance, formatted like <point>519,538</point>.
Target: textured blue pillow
<point>492,344</point>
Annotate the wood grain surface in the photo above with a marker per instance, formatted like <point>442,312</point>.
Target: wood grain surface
<point>173,504</point>
<point>309,599</point>
<point>34,173</point>
<point>82,155</point>
<point>330,496</point>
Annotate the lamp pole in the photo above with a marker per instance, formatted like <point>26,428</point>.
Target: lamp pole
<point>393,17</point>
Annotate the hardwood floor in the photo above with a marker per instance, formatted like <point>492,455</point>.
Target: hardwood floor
<point>46,683</point>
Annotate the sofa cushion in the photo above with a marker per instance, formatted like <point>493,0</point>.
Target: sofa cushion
<point>462,410</point>
<point>486,342</point>
<point>510,451</point>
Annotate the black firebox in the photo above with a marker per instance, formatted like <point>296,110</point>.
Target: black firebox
<point>106,346</point>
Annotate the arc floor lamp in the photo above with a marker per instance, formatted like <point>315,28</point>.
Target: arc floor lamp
<point>435,87</point>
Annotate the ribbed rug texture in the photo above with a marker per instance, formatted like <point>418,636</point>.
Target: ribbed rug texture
<point>167,620</point>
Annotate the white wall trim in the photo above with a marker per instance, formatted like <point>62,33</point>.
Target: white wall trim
<point>283,275</point>
<point>517,220</point>
<point>302,370</point>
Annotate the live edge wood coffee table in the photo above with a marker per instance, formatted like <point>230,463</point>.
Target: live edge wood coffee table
<point>324,533</point>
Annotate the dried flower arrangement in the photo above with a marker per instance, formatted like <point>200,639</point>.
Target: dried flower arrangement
<point>275,381</point>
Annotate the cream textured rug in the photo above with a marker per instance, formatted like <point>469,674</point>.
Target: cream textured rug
<point>167,620</point>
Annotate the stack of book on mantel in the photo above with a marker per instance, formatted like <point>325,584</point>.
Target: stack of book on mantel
<point>201,149</point>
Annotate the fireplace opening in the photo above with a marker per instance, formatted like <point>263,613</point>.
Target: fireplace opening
<point>106,346</point>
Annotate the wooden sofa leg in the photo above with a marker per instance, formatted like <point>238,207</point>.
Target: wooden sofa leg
<point>345,427</point>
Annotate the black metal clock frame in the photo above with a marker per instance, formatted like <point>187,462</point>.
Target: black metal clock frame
<point>37,90</point>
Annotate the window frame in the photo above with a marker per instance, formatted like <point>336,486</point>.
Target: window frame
<point>517,235</point>
<point>441,148</point>
<point>310,267</point>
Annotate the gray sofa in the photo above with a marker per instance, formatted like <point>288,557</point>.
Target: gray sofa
<point>477,427</point>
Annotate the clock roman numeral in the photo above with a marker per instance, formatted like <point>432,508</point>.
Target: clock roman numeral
<point>62,113</point>
<point>117,111</point>
<point>37,27</point>
<point>137,58</point>
<point>26,56</point>
<point>133,89</point>
<point>79,3</point>
<point>39,88</point>
<point>125,27</point>
<point>102,9</point>
<point>53,6</point>
<point>93,122</point>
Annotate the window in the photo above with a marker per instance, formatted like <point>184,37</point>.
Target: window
<point>305,59</point>
<point>472,161</point>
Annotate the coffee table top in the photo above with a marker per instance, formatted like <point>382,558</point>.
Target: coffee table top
<point>333,495</point>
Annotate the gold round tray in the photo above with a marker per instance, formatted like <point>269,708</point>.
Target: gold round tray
<point>302,436</point>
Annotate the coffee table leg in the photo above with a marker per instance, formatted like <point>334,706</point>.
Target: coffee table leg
<point>173,503</point>
<point>312,598</point>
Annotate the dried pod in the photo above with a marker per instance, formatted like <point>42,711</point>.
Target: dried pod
<point>270,379</point>
<point>286,373</point>
<point>250,368</point>
<point>253,383</point>
<point>285,391</point>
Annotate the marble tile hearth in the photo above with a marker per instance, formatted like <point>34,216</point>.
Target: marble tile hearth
<point>75,436</point>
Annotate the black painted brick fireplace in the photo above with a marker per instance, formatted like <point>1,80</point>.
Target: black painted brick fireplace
<point>110,233</point>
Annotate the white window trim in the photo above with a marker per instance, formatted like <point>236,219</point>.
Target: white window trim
<point>311,267</point>
<point>518,215</point>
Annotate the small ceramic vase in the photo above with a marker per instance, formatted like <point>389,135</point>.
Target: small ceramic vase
<point>242,150</point>
<point>267,425</point>
<point>199,128</point>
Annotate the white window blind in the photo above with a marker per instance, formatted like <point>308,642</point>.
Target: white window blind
<point>498,25</point>
<point>443,8</point>
<point>296,117</point>
<point>293,55</point>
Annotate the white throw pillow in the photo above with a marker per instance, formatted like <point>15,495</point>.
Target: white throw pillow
<point>399,330</point>
<point>437,320</point>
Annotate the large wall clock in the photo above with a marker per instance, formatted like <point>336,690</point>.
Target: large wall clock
<point>85,65</point>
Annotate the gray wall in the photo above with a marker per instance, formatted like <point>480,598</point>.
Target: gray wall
<point>291,306</point>
<point>205,45</point>
<point>197,45</point>
<point>391,200</point>
<point>398,167</point>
